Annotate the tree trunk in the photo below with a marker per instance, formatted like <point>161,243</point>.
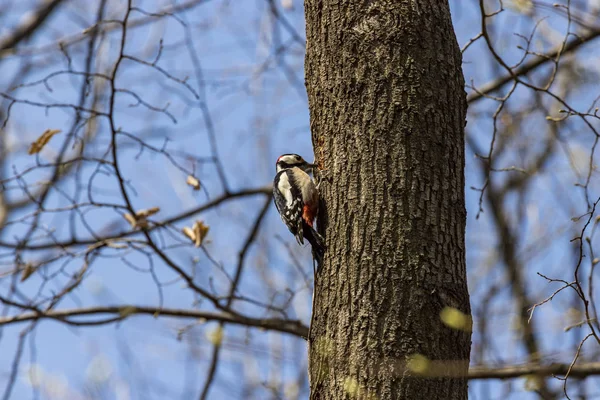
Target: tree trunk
<point>387,106</point>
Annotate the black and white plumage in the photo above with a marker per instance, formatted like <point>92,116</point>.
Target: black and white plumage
<point>297,200</point>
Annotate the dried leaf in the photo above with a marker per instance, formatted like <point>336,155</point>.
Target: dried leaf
<point>200,232</point>
<point>131,219</point>
<point>89,29</point>
<point>140,221</point>
<point>193,182</point>
<point>28,270</point>
<point>197,233</point>
<point>127,311</point>
<point>187,231</point>
<point>555,119</point>
<point>40,142</point>
<point>147,212</point>
<point>114,245</point>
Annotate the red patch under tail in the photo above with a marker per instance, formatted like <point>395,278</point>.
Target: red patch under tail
<point>308,215</point>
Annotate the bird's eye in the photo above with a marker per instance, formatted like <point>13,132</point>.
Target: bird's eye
<point>298,158</point>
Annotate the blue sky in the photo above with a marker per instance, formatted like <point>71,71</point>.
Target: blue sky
<point>258,111</point>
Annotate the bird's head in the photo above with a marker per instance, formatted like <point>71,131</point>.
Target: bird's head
<point>287,161</point>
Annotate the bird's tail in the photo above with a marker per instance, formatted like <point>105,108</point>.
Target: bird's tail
<point>317,242</point>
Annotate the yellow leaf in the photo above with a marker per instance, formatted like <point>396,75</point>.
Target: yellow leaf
<point>418,364</point>
<point>324,347</point>
<point>215,336</point>
<point>532,383</point>
<point>455,319</point>
<point>291,391</point>
<point>40,142</point>
<point>351,386</point>
<point>523,6</point>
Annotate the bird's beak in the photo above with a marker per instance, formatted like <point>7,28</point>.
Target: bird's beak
<point>310,166</point>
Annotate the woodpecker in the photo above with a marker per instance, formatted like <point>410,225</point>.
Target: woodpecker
<point>297,200</point>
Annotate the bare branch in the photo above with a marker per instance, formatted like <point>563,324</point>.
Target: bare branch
<point>211,204</point>
<point>30,26</point>
<point>292,327</point>
<point>577,371</point>
<point>531,66</point>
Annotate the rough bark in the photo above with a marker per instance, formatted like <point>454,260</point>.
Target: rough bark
<point>387,106</point>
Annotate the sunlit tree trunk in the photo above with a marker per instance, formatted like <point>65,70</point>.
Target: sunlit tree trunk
<point>387,105</point>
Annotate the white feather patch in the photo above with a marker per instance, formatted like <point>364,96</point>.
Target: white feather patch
<point>285,189</point>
